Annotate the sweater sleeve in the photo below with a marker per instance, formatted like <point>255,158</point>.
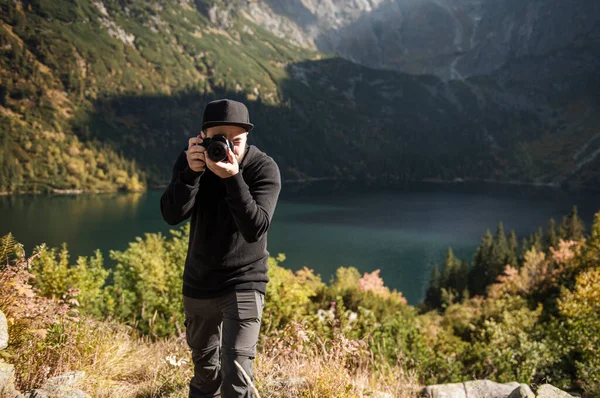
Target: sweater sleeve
<point>253,206</point>
<point>177,201</point>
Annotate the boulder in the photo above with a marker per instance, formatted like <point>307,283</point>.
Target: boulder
<point>3,331</point>
<point>489,389</point>
<point>549,391</point>
<point>69,379</point>
<point>60,392</point>
<point>522,392</point>
<point>7,381</point>
<point>470,389</point>
<point>62,386</point>
<point>450,390</point>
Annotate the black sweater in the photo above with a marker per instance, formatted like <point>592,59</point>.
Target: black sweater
<point>230,218</point>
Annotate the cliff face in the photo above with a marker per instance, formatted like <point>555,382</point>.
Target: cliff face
<point>452,39</point>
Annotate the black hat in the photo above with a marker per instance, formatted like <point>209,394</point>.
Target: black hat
<point>226,112</point>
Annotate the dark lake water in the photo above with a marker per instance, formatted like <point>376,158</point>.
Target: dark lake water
<point>403,231</point>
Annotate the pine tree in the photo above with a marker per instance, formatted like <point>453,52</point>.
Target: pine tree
<point>3,95</point>
<point>523,249</point>
<point>551,239</point>
<point>433,294</point>
<point>449,270</point>
<point>572,227</point>
<point>538,240</point>
<point>462,279</point>
<point>590,253</point>
<point>477,274</point>
<point>513,250</point>
<point>11,11</point>
<point>19,23</point>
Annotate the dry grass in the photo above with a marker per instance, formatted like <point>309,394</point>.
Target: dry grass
<point>48,338</point>
<point>118,363</point>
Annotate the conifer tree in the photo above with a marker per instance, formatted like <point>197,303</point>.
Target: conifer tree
<point>480,262</point>
<point>552,235</point>
<point>449,271</point>
<point>572,227</point>
<point>590,253</point>
<point>433,294</point>
<point>11,11</point>
<point>3,95</point>
<point>462,279</point>
<point>513,250</point>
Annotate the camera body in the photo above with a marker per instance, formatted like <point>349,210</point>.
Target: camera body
<point>216,147</point>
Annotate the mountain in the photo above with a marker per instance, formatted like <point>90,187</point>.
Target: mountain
<point>103,95</point>
<point>452,39</point>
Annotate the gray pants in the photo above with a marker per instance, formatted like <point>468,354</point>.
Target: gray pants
<point>220,331</point>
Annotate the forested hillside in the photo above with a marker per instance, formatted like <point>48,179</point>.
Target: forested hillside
<point>103,95</point>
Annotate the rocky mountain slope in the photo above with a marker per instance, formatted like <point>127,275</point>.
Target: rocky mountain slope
<point>125,83</point>
<point>453,39</point>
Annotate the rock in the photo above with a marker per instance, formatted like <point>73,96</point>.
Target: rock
<point>69,379</point>
<point>61,386</point>
<point>489,389</point>
<point>450,390</point>
<point>522,392</point>
<point>7,381</point>
<point>60,392</point>
<point>470,389</point>
<point>3,331</point>
<point>549,391</point>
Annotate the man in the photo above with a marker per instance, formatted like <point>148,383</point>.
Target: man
<point>231,204</point>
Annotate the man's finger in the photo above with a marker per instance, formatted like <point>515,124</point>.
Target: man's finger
<point>230,155</point>
<point>196,149</point>
<point>196,156</point>
<point>193,141</point>
<point>197,164</point>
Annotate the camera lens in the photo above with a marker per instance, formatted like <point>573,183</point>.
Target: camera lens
<point>217,151</point>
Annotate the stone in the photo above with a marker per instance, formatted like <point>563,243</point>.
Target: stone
<point>523,391</point>
<point>450,390</point>
<point>489,389</point>
<point>7,380</point>
<point>59,392</point>
<point>470,389</point>
<point>3,331</point>
<point>549,391</point>
<point>69,379</point>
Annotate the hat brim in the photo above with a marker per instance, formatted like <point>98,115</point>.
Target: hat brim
<point>246,126</point>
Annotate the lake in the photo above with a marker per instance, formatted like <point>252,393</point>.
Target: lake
<point>403,231</point>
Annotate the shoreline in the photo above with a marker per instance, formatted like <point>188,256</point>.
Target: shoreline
<point>310,180</point>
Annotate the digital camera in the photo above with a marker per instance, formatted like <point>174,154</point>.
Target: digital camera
<point>216,147</point>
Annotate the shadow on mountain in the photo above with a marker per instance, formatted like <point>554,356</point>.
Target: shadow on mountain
<point>339,120</point>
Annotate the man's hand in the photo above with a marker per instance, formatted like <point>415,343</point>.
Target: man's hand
<point>225,168</point>
<point>195,154</point>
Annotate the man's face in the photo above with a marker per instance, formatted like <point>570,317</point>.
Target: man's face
<point>237,135</point>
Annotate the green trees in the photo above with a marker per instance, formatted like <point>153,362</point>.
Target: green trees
<point>521,330</point>
<point>492,255</point>
<point>580,309</point>
<point>572,227</point>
